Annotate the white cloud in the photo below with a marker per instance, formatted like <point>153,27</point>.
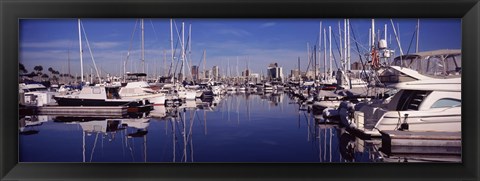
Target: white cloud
<point>105,44</point>
<point>234,32</point>
<point>49,44</point>
<point>269,24</point>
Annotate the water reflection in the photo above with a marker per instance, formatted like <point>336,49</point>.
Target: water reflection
<point>239,127</point>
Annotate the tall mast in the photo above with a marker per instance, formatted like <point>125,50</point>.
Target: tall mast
<point>385,33</point>
<point>370,37</point>
<point>69,61</point>
<point>299,71</point>
<point>143,46</point>
<point>308,56</point>
<point>345,43</point>
<point>418,33</point>
<point>341,46</point>
<point>171,43</point>
<point>324,54</point>
<point>190,45</point>
<point>348,45</point>
<point>81,50</point>
<point>183,51</point>
<point>315,61</point>
<point>204,63</point>
<point>330,49</point>
<point>373,33</point>
<point>319,47</point>
<point>397,38</point>
<point>164,62</point>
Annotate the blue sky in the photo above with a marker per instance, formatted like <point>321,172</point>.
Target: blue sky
<point>51,42</point>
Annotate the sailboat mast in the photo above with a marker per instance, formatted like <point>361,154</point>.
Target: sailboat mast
<point>183,51</point>
<point>319,47</point>
<point>370,37</point>
<point>190,44</point>
<point>69,61</point>
<point>204,63</point>
<point>330,49</point>
<point>345,43</point>
<point>418,33</point>
<point>171,44</point>
<point>340,42</point>
<point>348,45</point>
<point>164,62</point>
<point>396,37</point>
<point>324,54</point>
<point>373,33</point>
<point>385,33</point>
<point>143,46</point>
<point>81,50</point>
<point>308,56</point>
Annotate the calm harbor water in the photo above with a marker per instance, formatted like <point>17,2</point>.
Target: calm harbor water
<point>231,128</point>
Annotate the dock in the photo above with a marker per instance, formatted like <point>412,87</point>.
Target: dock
<point>83,110</point>
<point>425,143</point>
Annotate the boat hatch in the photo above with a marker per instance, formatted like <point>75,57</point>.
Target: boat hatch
<point>411,99</point>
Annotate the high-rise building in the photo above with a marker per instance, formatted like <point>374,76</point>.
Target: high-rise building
<point>215,73</point>
<point>207,74</point>
<point>195,72</point>
<point>246,73</point>
<point>295,74</point>
<point>274,72</point>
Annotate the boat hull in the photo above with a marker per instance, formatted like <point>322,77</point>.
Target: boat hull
<point>64,101</point>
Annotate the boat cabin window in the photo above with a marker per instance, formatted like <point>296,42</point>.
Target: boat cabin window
<point>411,99</point>
<point>446,102</point>
<point>35,89</point>
<point>96,90</point>
<point>112,93</point>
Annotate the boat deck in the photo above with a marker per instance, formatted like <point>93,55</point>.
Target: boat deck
<point>83,110</point>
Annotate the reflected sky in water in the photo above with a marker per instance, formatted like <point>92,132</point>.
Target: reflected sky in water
<point>231,128</point>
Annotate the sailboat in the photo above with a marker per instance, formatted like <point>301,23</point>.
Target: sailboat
<point>140,89</point>
<point>99,95</point>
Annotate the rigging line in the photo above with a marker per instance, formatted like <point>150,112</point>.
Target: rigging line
<point>411,41</point>
<point>201,59</point>
<point>176,64</point>
<point>340,53</point>
<point>153,28</point>
<point>94,145</point>
<point>361,46</point>
<point>171,65</point>
<point>309,57</point>
<point>131,43</point>
<point>91,54</point>
<point>191,125</point>
<point>184,49</point>
<point>360,56</point>
<point>177,130</point>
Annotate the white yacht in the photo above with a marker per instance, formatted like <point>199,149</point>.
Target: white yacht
<point>422,105</point>
<point>36,94</point>
<point>142,90</point>
<point>98,96</point>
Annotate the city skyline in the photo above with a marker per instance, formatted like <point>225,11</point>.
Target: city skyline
<point>52,42</point>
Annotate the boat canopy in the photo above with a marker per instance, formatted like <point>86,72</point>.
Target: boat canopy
<point>452,85</point>
<point>437,63</point>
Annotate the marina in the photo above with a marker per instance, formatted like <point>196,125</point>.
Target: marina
<point>375,104</point>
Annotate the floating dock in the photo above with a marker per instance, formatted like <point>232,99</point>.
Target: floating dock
<point>425,143</point>
<point>83,110</point>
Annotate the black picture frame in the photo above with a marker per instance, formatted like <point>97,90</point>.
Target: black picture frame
<point>11,11</point>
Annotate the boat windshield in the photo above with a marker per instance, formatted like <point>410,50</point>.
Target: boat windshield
<point>112,93</point>
<point>435,65</point>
